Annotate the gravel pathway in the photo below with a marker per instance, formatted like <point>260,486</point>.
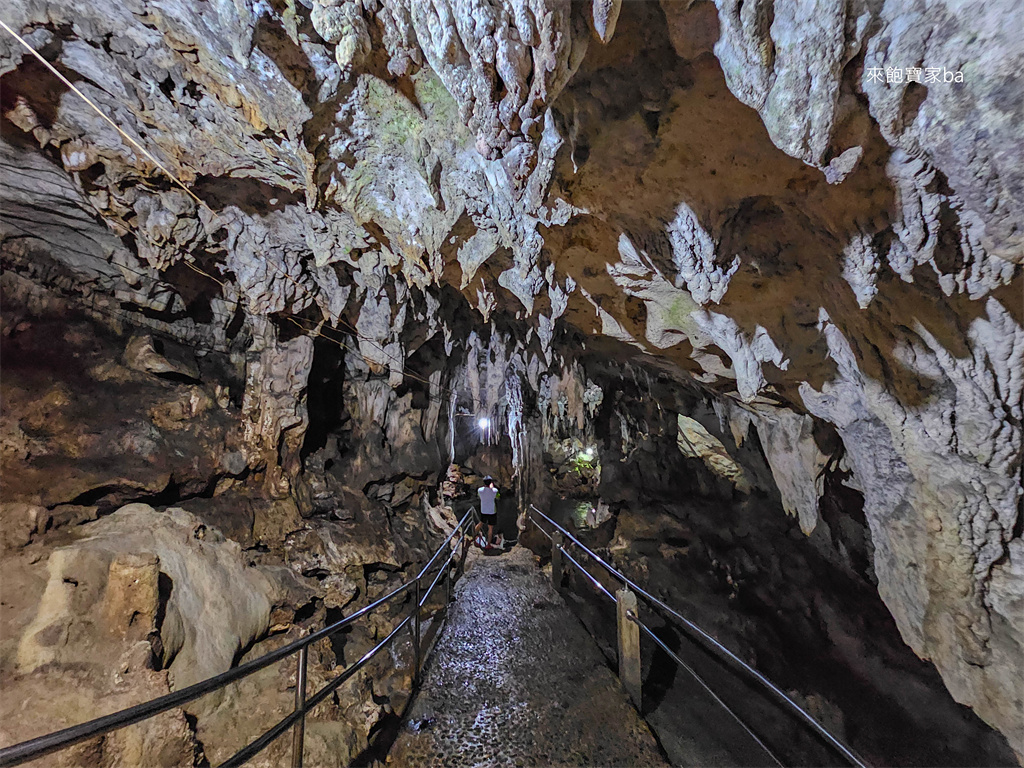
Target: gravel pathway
<point>515,680</point>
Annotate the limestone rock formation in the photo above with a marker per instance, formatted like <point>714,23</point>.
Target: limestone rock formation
<point>113,575</point>
<point>391,219</point>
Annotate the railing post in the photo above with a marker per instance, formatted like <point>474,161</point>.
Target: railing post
<point>556,559</point>
<point>448,581</point>
<point>629,646</point>
<point>416,635</point>
<point>299,731</point>
<point>447,587</point>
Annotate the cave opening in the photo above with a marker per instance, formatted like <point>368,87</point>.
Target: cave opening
<point>324,395</point>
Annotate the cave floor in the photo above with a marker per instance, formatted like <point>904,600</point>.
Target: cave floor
<point>515,680</point>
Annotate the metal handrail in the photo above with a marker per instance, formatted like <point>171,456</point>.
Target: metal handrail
<point>643,627</point>
<point>444,543</point>
<point>62,739</point>
<point>593,580</point>
<point>703,635</point>
<point>253,748</point>
<point>675,657</point>
<point>441,572</point>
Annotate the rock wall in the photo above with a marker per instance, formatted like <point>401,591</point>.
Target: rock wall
<point>694,512</point>
<point>728,193</point>
<point>210,562</point>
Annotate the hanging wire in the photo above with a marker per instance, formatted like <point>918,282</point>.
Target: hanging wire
<point>173,177</point>
<point>88,101</point>
<point>298,321</point>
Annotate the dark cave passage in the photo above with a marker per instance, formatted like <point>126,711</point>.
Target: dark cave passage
<point>653,477</point>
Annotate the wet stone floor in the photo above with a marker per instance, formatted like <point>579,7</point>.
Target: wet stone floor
<point>515,680</point>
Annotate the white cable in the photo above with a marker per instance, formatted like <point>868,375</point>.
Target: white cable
<point>99,112</point>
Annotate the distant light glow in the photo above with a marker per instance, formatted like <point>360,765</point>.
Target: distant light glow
<point>587,454</point>
<point>484,423</point>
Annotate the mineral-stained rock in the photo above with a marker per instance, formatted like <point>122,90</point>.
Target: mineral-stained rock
<point>132,592</point>
<point>177,413</point>
<point>20,521</point>
<point>72,696</point>
<point>126,433</point>
<point>141,355</point>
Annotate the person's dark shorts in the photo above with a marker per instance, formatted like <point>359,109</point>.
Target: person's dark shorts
<point>490,519</point>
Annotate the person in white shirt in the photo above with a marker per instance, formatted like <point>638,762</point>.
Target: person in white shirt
<point>488,516</point>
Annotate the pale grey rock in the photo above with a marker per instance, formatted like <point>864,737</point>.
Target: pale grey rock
<point>785,59</point>
<point>216,608</point>
<point>744,49</point>
<point>524,282</point>
<point>976,40</point>
<point>342,24</point>
<point>921,207</point>
<point>475,251</point>
<point>141,355</point>
<point>378,326</point>
<point>187,141</point>
<point>693,252</point>
<point>605,14</point>
<point>334,295</point>
<point>695,442</point>
<point>486,302</point>
<point>44,210</point>
<point>747,352</point>
<point>331,548</point>
<point>940,499</point>
<point>796,462</point>
<point>669,319</point>
<point>860,268</point>
<point>274,414</point>
<point>593,396</point>
<point>165,225</point>
<point>558,296</point>
<point>399,37</point>
<point>843,165</point>
<point>533,46</point>
<point>266,255</point>
<point>357,196</point>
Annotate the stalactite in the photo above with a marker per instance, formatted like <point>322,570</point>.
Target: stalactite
<point>453,401</point>
<point>514,414</point>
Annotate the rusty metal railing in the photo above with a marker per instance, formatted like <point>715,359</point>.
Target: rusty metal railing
<point>296,719</point>
<point>630,626</point>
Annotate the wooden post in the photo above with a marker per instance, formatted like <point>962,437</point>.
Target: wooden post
<point>556,559</point>
<point>629,646</point>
